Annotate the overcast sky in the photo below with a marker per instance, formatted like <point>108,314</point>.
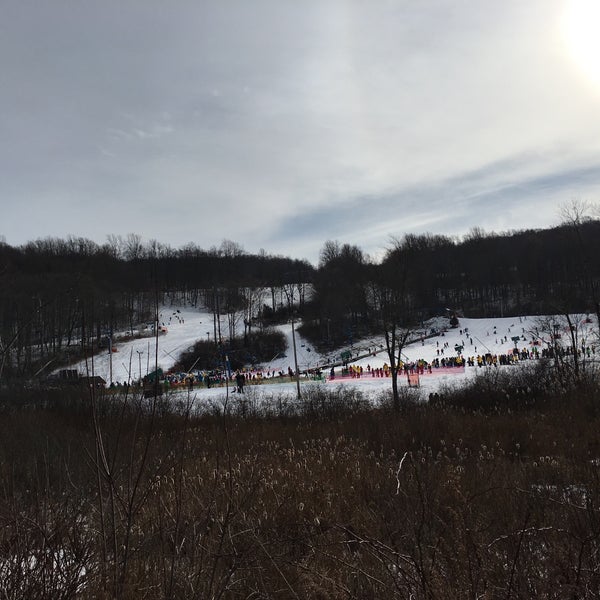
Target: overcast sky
<point>280,124</point>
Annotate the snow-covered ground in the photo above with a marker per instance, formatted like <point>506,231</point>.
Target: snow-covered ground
<point>477,337</point>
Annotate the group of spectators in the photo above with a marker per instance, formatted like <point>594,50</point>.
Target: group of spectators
<point>242,377</point>
<point>219,377</point>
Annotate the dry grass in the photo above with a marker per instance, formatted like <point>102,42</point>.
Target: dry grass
<point>333,500</point>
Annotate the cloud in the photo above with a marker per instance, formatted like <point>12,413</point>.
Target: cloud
<point>493,198</point>
<point>282,124</point>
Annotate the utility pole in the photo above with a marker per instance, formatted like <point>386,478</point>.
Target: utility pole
<point>295,356</point>
<point>289,293</point>
<point>110,357</point>
<point>139,353</point>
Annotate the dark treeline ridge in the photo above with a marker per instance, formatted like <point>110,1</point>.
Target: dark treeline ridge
<point>526,272</point>
<point>56,295</point>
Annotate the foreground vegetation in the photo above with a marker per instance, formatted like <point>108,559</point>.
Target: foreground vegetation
<point>488,492</point>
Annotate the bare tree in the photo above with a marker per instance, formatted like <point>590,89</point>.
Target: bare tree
<point>390,300</point>
<point>133,247</point>
<point>576,214</point>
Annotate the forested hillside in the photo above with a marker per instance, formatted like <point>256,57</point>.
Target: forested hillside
<point>59,296</point>
<point>526,272</point>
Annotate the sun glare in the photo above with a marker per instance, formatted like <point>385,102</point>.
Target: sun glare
<point>581,27</point>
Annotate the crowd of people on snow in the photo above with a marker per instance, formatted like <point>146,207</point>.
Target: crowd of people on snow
<point>220,377</point>
<point>420,366</point>
<point>242,377</point>
<point>483,359</point>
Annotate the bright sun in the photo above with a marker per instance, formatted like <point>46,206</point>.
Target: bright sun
<point>581,27</point>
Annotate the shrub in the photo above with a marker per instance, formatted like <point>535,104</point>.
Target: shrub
<point>323,497</point>
<point>258,347</point>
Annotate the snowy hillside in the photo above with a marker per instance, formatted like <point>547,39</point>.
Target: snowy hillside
<point>436,341</point>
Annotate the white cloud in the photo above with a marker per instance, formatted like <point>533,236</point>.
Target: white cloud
<point>239,120</point>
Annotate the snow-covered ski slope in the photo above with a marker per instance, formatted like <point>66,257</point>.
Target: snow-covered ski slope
<point>477,337</point>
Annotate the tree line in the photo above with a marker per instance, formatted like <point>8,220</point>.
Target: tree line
<point>60,297</point>
<point>483,274</point>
